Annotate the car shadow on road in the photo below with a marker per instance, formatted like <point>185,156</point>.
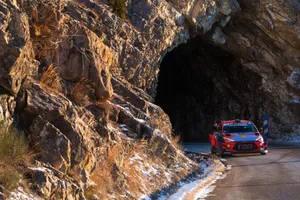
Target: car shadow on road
<point>245,155</point>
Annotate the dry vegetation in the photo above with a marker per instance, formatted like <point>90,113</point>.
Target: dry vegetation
<point>165,128</point>
<point>110,170</point>
<point>106,107</point>
<point>14,154</point>
<point>121,170</point>
<point>80,92</point>
<point>176,142</point>
<point>51,80</point>
<point>158,122</point>
<point>119,7</point>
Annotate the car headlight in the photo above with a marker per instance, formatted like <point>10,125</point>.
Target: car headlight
<point>259,139</point>
<point>228,140</point>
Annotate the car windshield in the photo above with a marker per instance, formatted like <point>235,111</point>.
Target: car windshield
<point>239,128</point>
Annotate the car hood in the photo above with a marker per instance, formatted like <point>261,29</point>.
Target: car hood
<point>243,137</point>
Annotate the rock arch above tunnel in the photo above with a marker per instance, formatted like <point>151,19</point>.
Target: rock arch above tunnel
<point>199,83</point>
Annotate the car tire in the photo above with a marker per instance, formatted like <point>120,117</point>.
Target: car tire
<point>213,150</point>
<point>264,152</point>
<point>221,152</point>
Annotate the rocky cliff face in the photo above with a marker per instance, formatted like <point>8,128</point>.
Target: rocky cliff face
<point>265,39</point>
<point>243,70</point>
<point>80,77</point>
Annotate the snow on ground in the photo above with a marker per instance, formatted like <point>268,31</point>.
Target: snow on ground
<point>123,127</point>
<point>286,140</point>
<point>127,110</point>
<point>41,169</point>
<point>20,194</point>
<point>294,101</point>
<point>196,185</point>
<point>135,157</point>
<point>110,127</point>
<point>145,197</point>
<point>200,188</point>
<point>200,147</point>
<point>291,138</point>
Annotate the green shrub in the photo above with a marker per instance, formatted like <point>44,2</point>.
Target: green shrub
<point>9,178</point>
<point>13,147</point>
<point>119,8</point>
<point>14,153</point>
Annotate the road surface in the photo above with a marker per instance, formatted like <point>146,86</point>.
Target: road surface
<point>274,176</point>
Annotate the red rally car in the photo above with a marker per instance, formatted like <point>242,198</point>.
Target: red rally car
<point>236,136</point>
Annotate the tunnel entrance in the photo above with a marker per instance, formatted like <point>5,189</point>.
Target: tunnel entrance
<point>199,83</point>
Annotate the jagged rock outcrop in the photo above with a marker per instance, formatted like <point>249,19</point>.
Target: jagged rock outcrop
<point>55,146</point>
<point>17,56</point>
<point>7,108</point>
<point>51,184</point>
<point>151,30</point>
<point>78,52</point>
<point>72,132</point>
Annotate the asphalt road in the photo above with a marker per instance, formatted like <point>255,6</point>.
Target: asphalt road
<point>275,176</point>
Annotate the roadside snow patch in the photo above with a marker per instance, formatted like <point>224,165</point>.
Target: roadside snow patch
<point>286,140</point>
<point>202,187</point>
<point>295,101</point>
<point>144,197</point>
<point>19,194</point>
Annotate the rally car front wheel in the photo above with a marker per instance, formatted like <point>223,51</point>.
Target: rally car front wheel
<point>221,152</point>
<point>213,150</point>
<point>264,152</point>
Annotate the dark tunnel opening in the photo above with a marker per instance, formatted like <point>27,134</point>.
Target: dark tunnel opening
<point>199,83</point>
